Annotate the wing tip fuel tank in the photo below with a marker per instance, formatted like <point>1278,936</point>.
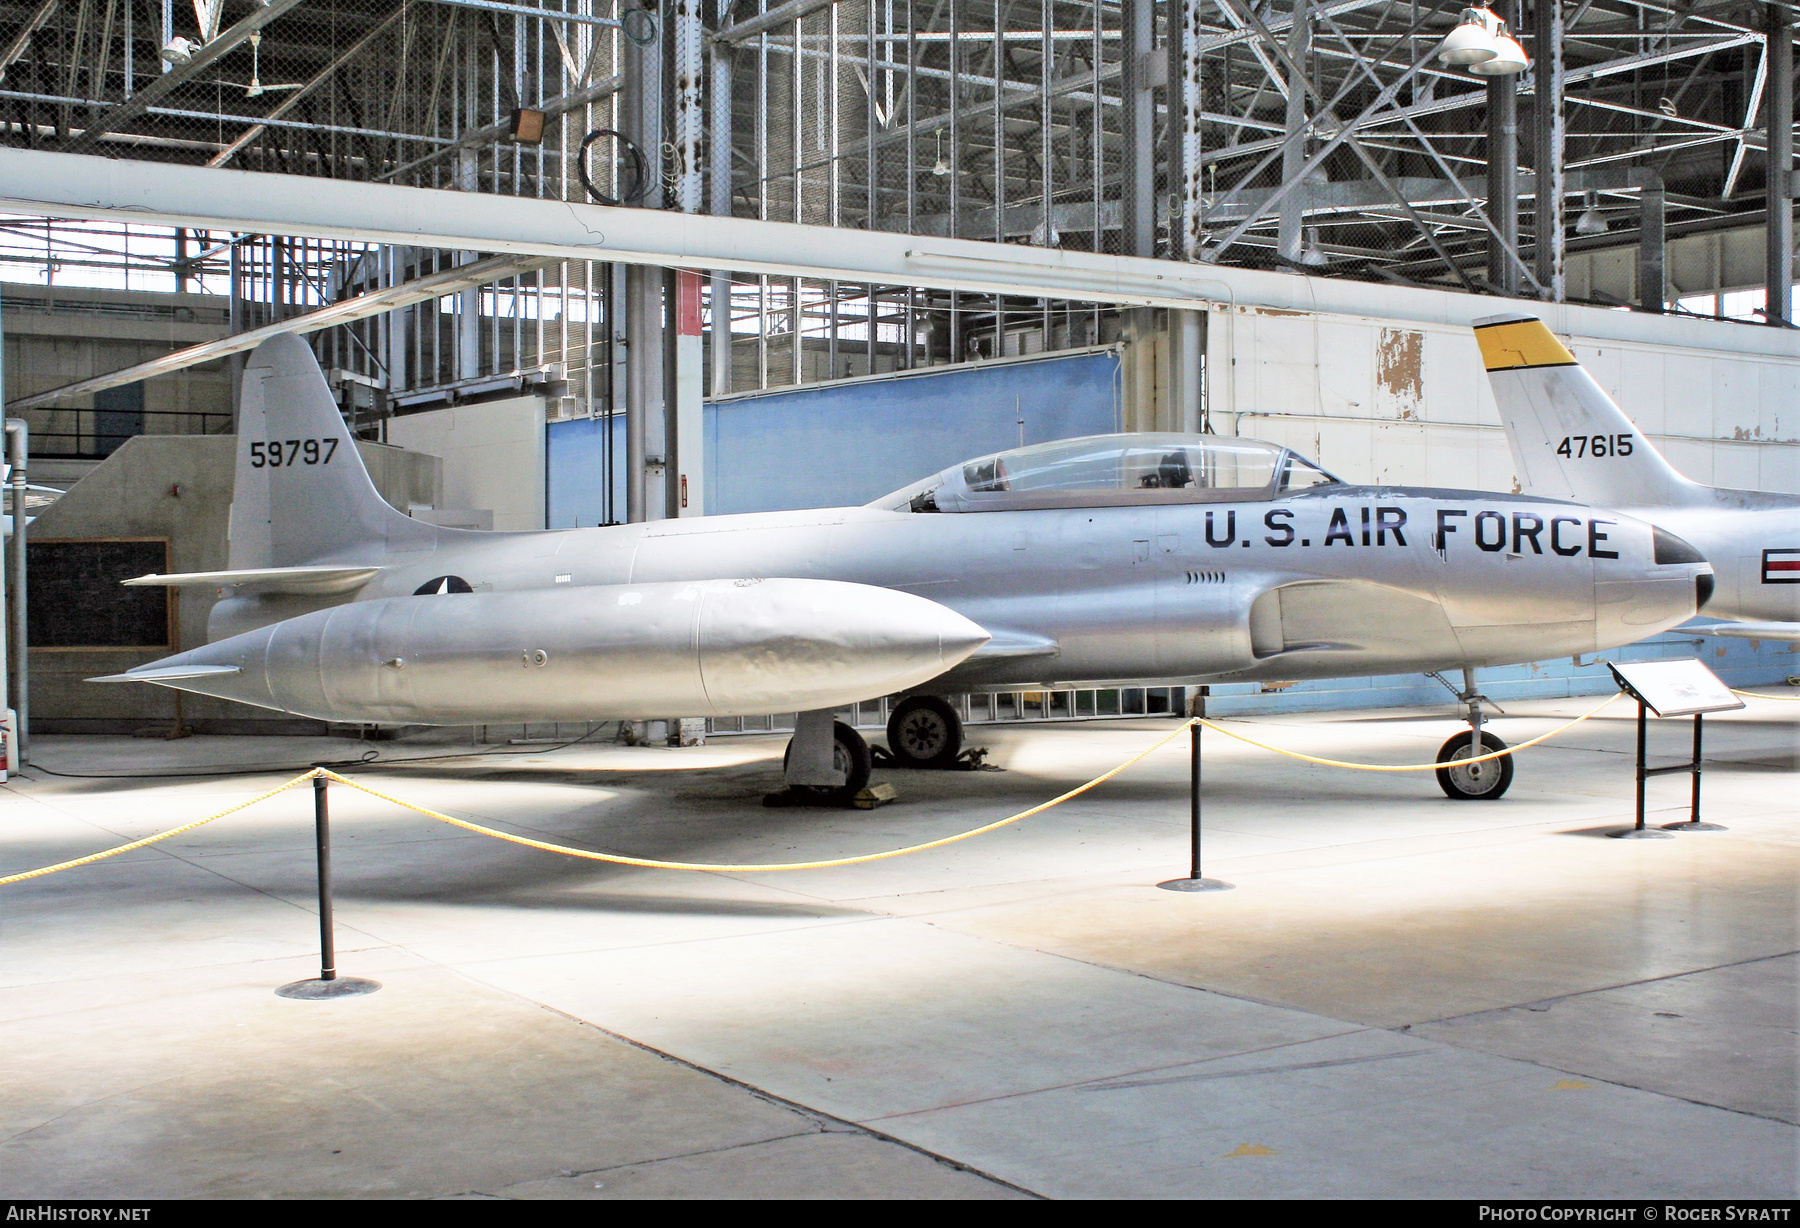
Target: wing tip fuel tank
<point>679,648</point>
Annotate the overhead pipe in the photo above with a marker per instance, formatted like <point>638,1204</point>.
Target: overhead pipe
<point>1779,186</point>
<point>436,285</point>
<point>18,441</point>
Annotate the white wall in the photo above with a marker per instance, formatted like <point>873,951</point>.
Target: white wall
<point>493,456</point>
<point>1380,400</point>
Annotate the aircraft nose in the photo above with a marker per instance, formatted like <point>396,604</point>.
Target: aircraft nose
<point>1641,596</point>
<point>1670,550</point>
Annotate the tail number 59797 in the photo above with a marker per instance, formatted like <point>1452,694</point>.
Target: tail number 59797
<point>277,453</point>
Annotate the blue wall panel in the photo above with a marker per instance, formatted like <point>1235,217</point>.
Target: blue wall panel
<point>576,498</point>
<point>837,445</point>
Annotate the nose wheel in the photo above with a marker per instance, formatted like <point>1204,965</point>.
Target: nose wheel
<point>1472,782</point>
<point>924,732</point>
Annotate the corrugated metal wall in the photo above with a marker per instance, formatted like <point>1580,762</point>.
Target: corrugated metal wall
<point>1384,401</point>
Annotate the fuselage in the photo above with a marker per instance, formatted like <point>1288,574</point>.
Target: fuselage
<point>1331,581</point>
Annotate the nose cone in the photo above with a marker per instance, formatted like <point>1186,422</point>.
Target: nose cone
<point>787,645</point>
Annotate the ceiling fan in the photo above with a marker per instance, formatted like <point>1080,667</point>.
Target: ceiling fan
<point>256,88</point>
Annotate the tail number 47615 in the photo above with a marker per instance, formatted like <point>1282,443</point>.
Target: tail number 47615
<point>1576,447</point>
<point>277,453</point>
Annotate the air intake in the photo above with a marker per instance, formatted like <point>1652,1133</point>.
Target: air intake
<point>1671,549</point>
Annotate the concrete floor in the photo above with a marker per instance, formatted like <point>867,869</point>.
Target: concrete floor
<point>1404,996</point>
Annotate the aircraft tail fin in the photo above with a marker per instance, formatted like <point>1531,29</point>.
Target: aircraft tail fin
<point>1569,439</point>
<point>302,494</point>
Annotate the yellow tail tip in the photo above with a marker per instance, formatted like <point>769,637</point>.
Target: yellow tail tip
<point>1511,342</point>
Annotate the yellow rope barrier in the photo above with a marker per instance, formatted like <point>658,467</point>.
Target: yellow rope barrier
<point>1415,767</point>
<point>614,858</point>
<point>755,868</point>
<point>650,863</point>
<point>161,835</point>
<point>1786,699</point>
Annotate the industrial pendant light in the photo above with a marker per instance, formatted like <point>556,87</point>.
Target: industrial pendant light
<point>942,168</point>
<point>1509,57</point>
<point>1473,41</point>
<point>1591,221</point>
<point>1311,255</point>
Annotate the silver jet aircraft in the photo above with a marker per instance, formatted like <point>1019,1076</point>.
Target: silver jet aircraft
<point>1104,560</point>
<point>1572,441</point>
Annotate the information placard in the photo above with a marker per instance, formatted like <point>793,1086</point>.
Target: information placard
<point>1675,688</point>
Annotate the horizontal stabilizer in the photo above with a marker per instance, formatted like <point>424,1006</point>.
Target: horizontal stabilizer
<point>1750,631</point>
<point>168,673</point>
<point>267,579</point>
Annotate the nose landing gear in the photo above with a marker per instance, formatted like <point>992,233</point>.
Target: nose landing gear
<point>832,765</point>
<point>1469,782</point>
<point>1474,781</point>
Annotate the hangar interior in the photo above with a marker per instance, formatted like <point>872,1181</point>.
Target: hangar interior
<point>1401,998</point>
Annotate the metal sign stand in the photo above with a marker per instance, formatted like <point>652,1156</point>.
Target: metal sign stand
<point>1195,881</point>
<point>1686,700</point>
<point>328,984</point>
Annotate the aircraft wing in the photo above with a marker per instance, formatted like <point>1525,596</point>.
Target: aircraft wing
<point>1750,631</point>
<point>298,580</point>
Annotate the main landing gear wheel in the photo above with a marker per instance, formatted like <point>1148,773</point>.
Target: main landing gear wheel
<point>1474,782</point>
<point>924,732</point>
<point>849,755</point>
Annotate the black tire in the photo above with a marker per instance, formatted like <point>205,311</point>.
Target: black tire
<point>850,754</point>
<point>1479,782</point>
<point>924,731</point>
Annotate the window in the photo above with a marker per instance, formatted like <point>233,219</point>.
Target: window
<point>74,599</point>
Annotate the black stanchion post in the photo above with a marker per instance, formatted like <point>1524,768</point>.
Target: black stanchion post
<point>322,836</point>
<point>329,984</point>
<point>1194,800</point>
<point>1194,881</point>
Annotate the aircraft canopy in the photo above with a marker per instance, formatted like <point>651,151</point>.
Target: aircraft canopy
<point>1107,470</point>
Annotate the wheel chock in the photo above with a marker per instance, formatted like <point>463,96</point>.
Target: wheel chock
<point>875,795</point>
